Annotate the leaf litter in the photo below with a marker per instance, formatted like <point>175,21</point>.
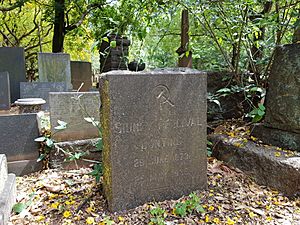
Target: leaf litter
<point>73,197</point>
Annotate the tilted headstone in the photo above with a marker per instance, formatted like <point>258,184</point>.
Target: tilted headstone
<point>81,72</point>
<point>3,171</point>
<point>54,67</point>
<point>12,60</point>
<point>17,136</point>
<point>72,108</point>
<point>4,91</point>
<point>282,121</point>
<point>41,90</point>
<point>154,135</point>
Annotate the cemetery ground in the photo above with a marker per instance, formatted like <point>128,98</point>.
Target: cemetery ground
<point>73,197</point>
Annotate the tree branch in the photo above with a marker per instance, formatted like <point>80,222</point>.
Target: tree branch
<point>14,6</point>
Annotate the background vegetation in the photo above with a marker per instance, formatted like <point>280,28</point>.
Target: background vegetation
<point>236,36</point>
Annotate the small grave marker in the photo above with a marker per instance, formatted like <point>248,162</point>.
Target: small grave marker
<point>81,72</point>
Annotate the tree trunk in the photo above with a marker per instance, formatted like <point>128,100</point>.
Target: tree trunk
<point>59,27</point>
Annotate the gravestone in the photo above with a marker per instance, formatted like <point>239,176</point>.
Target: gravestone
<point>4,91</point>
<point>12,60</point>
<point>54,67</point>
<point>41,90</point>
<point>154,135</point>
<point>17,136</point>
<point>72,108</point>
<point>282,121</point>
<point>81,72</point>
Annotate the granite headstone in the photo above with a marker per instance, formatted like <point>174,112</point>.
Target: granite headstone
<point>4,91</point>
<point>154,135</point>
<point>41,90</point>
<point>17,136</point>
<point>54,67</point>
<point>72,108</point>
<point>81,72</point>
<point>12,60</point>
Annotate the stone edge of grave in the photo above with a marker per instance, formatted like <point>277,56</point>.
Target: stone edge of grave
<point>259,162</point>
<point>3,171</point>
<point>7,198</point>
<point>57,157</point>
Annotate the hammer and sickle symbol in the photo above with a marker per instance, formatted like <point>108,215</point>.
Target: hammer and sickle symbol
<point>162,94</point>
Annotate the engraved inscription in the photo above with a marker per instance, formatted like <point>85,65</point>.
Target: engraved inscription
<point>128,128</point>
<point>159,144</point>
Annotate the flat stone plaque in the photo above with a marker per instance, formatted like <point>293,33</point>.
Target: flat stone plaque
<point>154,133</point>
<point>17,134</point>
<point>41,90</point>
<point>4,91</point>
<point>54,67</point>
<point>12,60</point>
<point>81,72</point>
<point>72,108</point>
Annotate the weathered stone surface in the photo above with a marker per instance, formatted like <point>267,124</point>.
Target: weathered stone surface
<point>3,171</point>
<point>17,136</point>
<point>8,198</point>
<point>283,95</point>
<point>72,108</point>
<point>57,157</point>
<point>24,167</point>
<point>81,72</point>
<point>41,90</point>
<point>154,133</point>
<point>276,137</point>
<point>4,91</point>
<point>281,173</point>
<point>55,67</point>
<point>12,60</point>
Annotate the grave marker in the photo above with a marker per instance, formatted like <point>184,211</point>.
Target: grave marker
<point>54,67</point>
<point>41,90</point>
<point>72,108</point>
<point>12,60</point>
<point>154,133</point>
<point>81,72</point>
<point>4,91</point>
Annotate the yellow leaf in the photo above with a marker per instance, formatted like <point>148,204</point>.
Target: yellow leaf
<point>216,220</point>
<point>55,205</point>
<point>277,154</point>
<point>230,221</point>
<point>40,218</point>
<point>120,218</point>
<point>211,208</point>
<point>252,214</point>
<point>269,218</point>
<point>67,214</point>
<point>207,219</point>
<point>90,220</point>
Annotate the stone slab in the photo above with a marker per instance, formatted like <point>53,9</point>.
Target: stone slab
<point>72,108</point>
<point>154,133</point>
<point>3,171</point>
<point>4,91</point>
<point>276,137</point>
<point>7,198</point>
<point>57,157</point>
<point>41,90</point>
<point>81,72</point>
<point>12,60</point>
<point>55,67</point>
<point>283,95</point>
<point>24,167</point>
<point>17,136</point>
<point>281,173</point>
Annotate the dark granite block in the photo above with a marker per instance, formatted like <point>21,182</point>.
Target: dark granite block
<point>154,133</point>
<point>81,72</point>
<point>4,91</point>
<point>17,134</point>
<point>7,198</point>
<point>12,60</point>
<point>41,90</point>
